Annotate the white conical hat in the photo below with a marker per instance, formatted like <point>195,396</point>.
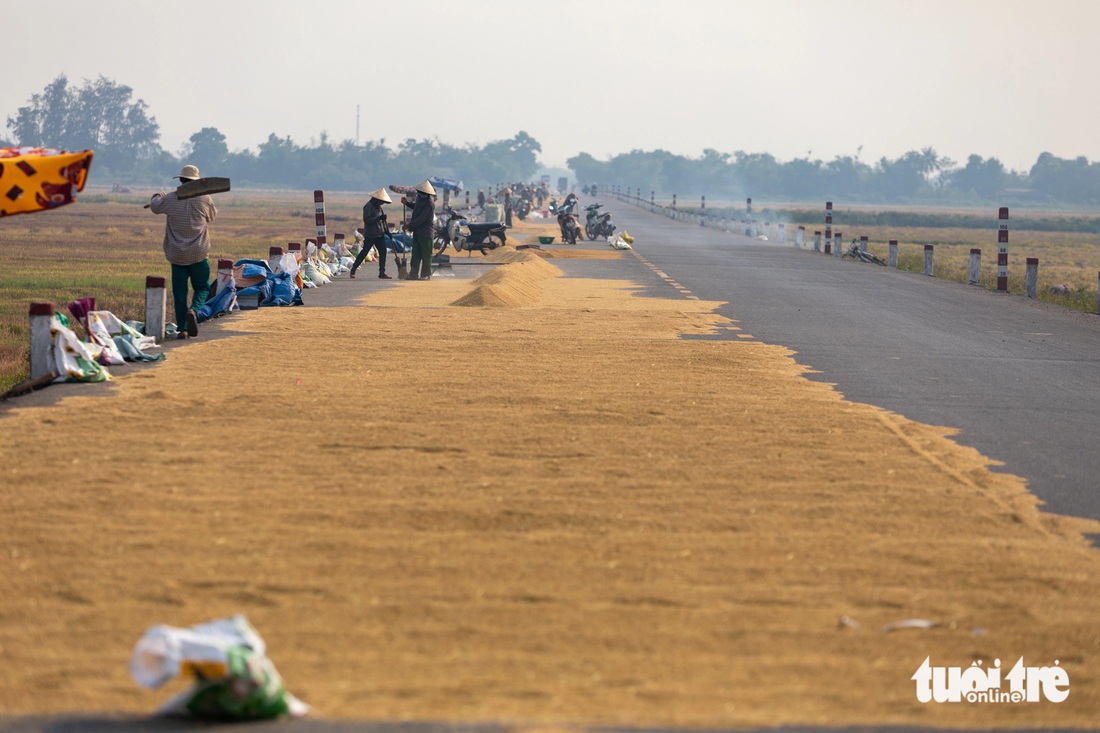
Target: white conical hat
<point>381,195</point>
<point>425,186</point>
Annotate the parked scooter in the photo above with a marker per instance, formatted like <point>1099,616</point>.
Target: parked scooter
<point>458,232</point>
<point>596,224</point>
<point>567,220</point>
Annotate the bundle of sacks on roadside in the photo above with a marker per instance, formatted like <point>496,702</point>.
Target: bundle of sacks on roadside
<point>622,241</point>
<point>109,341</point>
<point>274,282</point>
<point>281,279</point>
<point>321,264</point>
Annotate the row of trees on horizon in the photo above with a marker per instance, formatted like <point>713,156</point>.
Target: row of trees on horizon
<point>102,115</point>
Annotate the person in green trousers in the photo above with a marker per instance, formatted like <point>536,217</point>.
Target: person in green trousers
<point>422,225</point>
<point>187,248</point>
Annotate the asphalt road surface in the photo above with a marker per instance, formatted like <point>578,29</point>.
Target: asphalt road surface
<point>1019,379</point>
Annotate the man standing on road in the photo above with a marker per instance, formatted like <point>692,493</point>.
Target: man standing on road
<point>422,225</point>
<point>374,232</point>
<point>187,246</point>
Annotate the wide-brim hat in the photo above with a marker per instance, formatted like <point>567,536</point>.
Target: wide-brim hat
<point>381,195</point>
<point>189,171</point>
<point>425,186</point>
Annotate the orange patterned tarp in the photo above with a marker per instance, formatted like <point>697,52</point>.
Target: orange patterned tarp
<point>38,179</point>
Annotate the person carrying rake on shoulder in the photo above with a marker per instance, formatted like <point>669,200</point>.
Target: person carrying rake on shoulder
<point>187,248</point>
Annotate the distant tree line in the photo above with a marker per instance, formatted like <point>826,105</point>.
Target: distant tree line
<point>103,116</point>
<point>918,176</point>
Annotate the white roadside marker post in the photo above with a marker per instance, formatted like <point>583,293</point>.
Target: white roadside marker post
<point>1031,277</point>
<point>156,305</point>
<point>975,265</point>
<point>41,315</point>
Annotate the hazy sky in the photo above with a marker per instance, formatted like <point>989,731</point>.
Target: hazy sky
<point>1004,78</point>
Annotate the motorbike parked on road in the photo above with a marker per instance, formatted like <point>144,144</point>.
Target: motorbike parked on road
<point>456,231</point>
<point>596,224</point>
<point>567,220</point>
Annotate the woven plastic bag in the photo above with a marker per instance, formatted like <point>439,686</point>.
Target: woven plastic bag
<point>234,679</point>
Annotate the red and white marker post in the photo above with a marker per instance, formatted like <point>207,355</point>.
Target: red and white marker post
<point>828,221</point>
<point>1002,249</point>
<point>319,217</point>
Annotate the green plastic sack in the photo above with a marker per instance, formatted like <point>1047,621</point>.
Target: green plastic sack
<point>252,690</point>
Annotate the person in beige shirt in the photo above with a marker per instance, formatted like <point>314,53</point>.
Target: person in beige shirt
<point>187,248</point>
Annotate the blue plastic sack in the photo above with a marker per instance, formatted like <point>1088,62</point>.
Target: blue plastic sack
<point>219,304</point>
<point>252,268</point>
<point>283,291</point>
<point>399,242</point>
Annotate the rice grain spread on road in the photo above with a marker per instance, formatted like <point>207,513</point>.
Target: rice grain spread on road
<point>526,499</point>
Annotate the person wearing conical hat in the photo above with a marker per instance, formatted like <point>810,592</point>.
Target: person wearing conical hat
<point>187,248</point>
<point>374,231</point>
<point>422,225</point>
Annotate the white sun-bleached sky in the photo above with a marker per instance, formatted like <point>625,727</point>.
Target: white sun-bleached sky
<point>1003,78</point>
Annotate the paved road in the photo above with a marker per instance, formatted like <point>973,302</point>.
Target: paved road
<point>1019,379</point>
